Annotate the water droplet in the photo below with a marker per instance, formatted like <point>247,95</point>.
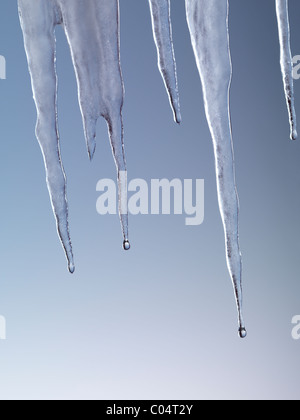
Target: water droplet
<point>71,268</point>
<point>243,332</point>
<point>126,245</point>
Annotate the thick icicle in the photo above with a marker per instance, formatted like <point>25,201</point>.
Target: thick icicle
<point>100,87</point>
<point>208,24</point>
<point>162,31</point>
<point>38,20</point>
<point>286,62</point>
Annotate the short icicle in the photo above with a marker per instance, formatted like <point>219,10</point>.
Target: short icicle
<point>286,62</point>
<point>162,31</point>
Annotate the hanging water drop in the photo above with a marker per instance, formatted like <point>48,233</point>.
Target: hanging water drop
<point>242,332</point>
<point>126,245</point>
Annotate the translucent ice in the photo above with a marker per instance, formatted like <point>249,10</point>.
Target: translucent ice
<point>286,62</point>
<point>208,24</point>
<point>92,30</point>
<point>162,31</point>
<point>93,35</point>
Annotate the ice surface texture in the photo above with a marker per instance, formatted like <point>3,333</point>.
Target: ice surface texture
<point>92,30</point>
<point>286,62</point>
<point>93,37</point>
<point>208,24</point>
<point>162,31</point>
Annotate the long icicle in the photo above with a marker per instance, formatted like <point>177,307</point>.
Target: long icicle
<point>286,62</point>
<point>208,24</point>
<point>100,87</point>
<point>99,78</point>
<point>38,21</point>
<point>162,32</point>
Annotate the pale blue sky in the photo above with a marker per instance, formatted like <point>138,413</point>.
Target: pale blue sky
<point>160,321</point>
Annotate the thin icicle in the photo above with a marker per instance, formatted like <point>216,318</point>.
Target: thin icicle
<point>208,24</point>
<point>93,36</point>
<point>162,32</point>
<point>99,78</point>
<point>286,62</point>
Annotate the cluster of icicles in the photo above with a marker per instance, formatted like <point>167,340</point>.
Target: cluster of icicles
<point>92,29</point>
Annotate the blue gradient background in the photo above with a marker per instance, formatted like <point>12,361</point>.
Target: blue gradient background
<point>159,322</point>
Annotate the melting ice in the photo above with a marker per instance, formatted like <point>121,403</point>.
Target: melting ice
<point>208,24</point>
<point>93,37</point>
<point>92,30</point>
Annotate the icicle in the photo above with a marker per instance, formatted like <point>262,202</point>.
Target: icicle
<point>208,24</point>
<point>38,22</point>
<point>286,62</point>
<point>93,36</point>
<point>99,77</point>
<point>162,31</point>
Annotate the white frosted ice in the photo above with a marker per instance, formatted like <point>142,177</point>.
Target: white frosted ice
<point>286,61</point>
<point>162,32</point>
<point>208,24</point>
<point>92,29</point>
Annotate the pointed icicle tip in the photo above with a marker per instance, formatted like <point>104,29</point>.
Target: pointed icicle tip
<point>294,135</point>
<point>71,268</point>
<point>177,117</point>
<point>91,149</point>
